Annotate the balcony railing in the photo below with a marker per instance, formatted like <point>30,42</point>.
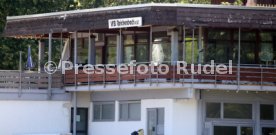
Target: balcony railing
<point>28,80</point>
<point>243,75</point>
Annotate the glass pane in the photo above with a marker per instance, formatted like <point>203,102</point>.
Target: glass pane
<point>213,110</point>
<point>123,111</point>
<point>267,112</point>
<point>128,54</point>
<point>128,40</point>
<point>97,112</point>
<point>246,131</point>
<point>219,34</point>
<point>268,131</point>
<point>225,130</point>
<point>108,111</point>
<point>111,55</point>
<point>247,52</point>
<point>266,36</point>
<point>161,50</point>
<point>142,38</point>
<point>189,50</point>
<point>237,111</point>
<point>266,53</point>
<point>111,40</point>
<point>245,36</point>
<point>82,50</point>
<point>142,53</point>
<point>134,111</point>
<point>99,55</point>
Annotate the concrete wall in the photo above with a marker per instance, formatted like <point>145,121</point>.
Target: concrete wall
<point>34,117</point>
<point>180,118</point>
<point>185,117</point>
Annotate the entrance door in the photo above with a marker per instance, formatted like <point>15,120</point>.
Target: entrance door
<point>155,120</point>
<point>82,121</point>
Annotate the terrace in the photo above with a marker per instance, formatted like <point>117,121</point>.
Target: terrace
<point>168,33</point>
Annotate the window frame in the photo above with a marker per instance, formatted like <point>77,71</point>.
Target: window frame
<point>128,118</point>
<point>101,111</point>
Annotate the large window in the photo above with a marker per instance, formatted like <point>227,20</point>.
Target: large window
<point>230,110</point>
<point>130,111</point>
<point>256,47</point>
<point>103,111</point>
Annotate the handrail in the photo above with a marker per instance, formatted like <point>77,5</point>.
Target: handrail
<point>252,75</point>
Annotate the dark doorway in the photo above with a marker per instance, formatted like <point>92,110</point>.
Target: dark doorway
<point>82,121</point>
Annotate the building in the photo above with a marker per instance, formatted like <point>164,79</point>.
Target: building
<point>237,103</point>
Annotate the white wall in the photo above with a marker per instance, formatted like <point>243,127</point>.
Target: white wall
<point>180,119</point>
<point>34,117</point>
<point>185,117</point>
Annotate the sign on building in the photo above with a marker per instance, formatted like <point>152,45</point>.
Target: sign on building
<point>125,22</point>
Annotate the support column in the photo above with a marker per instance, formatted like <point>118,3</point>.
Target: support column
<point>75,93</point>
<point>150,44</point>
<point>184,43</point>
<point>174,46</point>
<point>119,52</point>
<point>50,59</point>
<point>41,49</point>
<point>200,46</point>
<point>239,59</point>
<point>91,50</point>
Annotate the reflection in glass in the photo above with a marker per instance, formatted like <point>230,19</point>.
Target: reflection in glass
<point>268,131</point>
<point>225,130</point>
<point>213,110</point>
<point>237,111</point>
<point>246,131</point>
<point>267,112</point>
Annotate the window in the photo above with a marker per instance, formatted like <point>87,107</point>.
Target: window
<point>237,111</point>
<point>225,130</point>
<point>268,131</point>
<point>136,47</point>
<point>103,111</point>
<point>130,111</point>
<point>267,112</point>
<point>230,110</point>
<point>111,50</point>
<point>161,48</point>
<point>213,110</point>
<point>218,46</point>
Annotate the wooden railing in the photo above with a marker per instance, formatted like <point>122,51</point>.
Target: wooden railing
<point>28,80</point>
<point>245,75</point>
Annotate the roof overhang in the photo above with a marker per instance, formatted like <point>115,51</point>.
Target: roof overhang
<point>190,15</point>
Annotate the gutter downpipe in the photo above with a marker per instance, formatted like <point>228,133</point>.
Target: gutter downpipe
<point>75,92</point>
<point>49,60</point>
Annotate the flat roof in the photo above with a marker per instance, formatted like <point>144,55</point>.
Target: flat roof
<point>21,17</point>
